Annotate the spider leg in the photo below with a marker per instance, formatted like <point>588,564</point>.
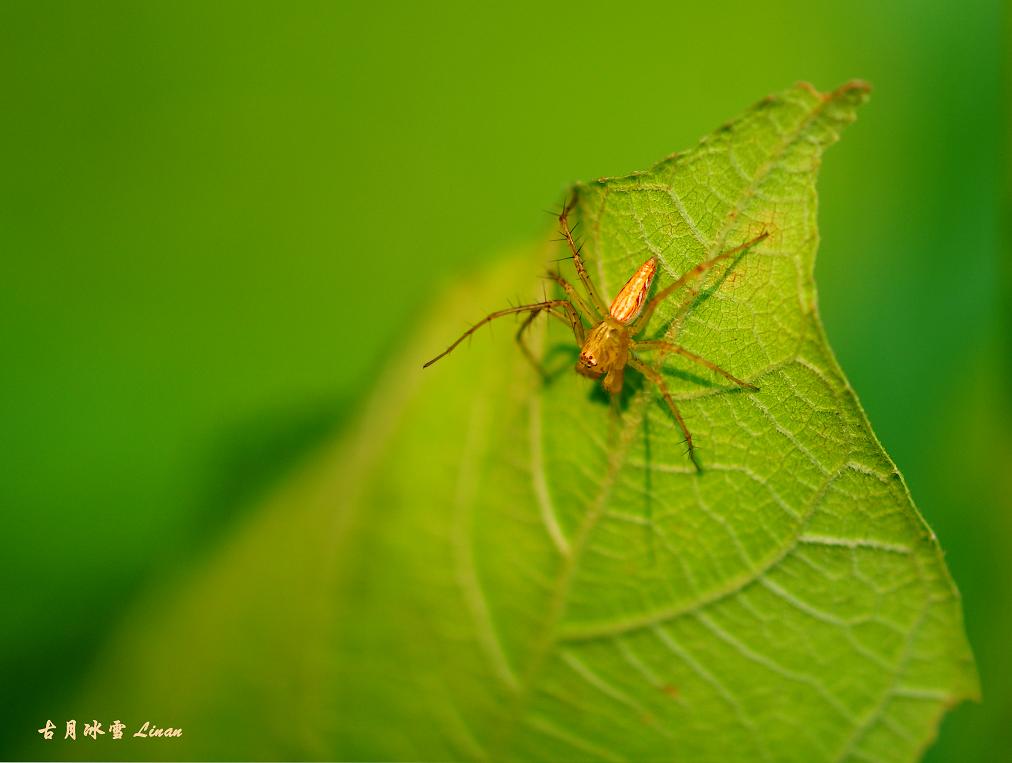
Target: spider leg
<point>523,345</point>
<point>569,316</point>
<point>572,319</point>
<point>585,311</point>
<point>581,269</point>
<point>658,379</point>
<point>537,307</point>
<point>667,347</point>
<point>687,276</point>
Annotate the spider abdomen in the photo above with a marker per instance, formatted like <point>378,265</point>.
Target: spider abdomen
<point>628,303</point>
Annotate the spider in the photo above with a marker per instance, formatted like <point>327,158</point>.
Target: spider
<point>609,346</point>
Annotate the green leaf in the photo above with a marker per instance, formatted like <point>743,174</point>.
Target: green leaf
<point>494,567</point>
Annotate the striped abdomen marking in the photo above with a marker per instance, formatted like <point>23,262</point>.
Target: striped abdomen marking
<point>629,302</point>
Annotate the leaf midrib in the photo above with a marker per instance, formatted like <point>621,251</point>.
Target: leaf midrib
<point>563,582</point>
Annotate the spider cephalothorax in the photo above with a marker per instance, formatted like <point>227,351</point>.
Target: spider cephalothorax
<point>610,345</point>
<point>605,353</point>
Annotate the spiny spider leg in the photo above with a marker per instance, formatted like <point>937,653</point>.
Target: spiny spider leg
<point>523,345</point>
<point>687,276</point>
<point>537,307</point>
<point>678,316</point>
<point>581,270</point>
<point>570,318</point>
<point>657,379</point>
<point>667,347</point>
<point>586,313</point>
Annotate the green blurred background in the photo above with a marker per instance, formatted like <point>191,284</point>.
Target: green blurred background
<point>218,219</point>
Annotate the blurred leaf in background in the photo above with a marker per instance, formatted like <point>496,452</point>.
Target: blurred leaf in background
<point>191,195</point>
